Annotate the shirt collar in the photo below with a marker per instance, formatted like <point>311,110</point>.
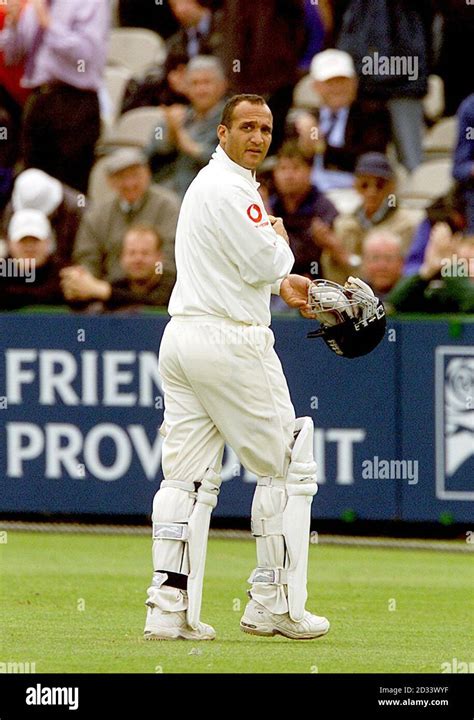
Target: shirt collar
<point>378,216</point>
<point>202,28</point>
<point>205,24</point>
<point>127,207</point>
<point>220,156</point>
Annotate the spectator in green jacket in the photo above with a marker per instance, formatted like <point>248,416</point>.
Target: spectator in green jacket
<point>445,281</point>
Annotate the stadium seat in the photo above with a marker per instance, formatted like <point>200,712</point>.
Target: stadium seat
<point>135,127</point>
<point>441,138</point>
<point>304,96</point>
<point>135,49</point>
<point>430,180</point>
<point>116,80</point>
<point>433,102</point>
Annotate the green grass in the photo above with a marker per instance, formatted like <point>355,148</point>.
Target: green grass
<point>47,578</point>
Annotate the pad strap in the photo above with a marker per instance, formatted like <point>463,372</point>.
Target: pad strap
<point>170,531</point>
<point>173,579</point>
<point>271,576</point>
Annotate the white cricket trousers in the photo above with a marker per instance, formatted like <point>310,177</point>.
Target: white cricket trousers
<point>223,383</point>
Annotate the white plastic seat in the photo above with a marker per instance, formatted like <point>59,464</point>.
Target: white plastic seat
<point>304,95</point>
<point>428,181</point>
<point>136,127</point>
<point>441,138</point>
<point>136,49</point>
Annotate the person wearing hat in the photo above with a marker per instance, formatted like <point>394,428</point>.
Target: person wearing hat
<point>29,275</point>
<point>375,183</point>
<point>98,245</point>
<point>343,127</point>
<point>393,45</point>
<point>36,190</point>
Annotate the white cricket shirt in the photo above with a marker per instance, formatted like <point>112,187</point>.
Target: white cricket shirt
<point>228,256</point>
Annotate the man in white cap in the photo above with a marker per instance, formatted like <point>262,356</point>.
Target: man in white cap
<point>36,190</point>
<point>136,201</point>
<point>343,128</point>
<point>29,275</point>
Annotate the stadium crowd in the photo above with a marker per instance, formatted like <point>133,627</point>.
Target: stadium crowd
<point>371,165</point>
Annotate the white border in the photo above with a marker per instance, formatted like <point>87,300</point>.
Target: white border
<point>440,353</point>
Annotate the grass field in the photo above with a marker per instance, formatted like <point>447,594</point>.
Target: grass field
<point>75,603</point>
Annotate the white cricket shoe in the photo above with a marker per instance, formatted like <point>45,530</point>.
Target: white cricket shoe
<point>257,620</point>
<point>172,626</point>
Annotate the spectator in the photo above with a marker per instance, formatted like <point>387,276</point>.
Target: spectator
<point>314,31</point>
<point>30,275</point>
<point>199,32</point>
<point>261,49</point>
<point>382,261</point>
<point>162,85</point>
<point>299,203</point>
<point>64,46</point>
<point>35,190</point>
<point>98,245</point>
<point>146,279</point>
<point>445,281</point>
<point>449,209</point>
<point>344,127</point>
<point>191,131</point>
<point>12,100</point>
<point>390,42</point>
<point>463,168</point>
<point>456,52</point>
<point>375,183</point>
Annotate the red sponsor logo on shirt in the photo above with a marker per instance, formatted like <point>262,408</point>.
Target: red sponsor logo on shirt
<point>254,213</point>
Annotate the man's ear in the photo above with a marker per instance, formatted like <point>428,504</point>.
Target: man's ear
<point>222,132</point>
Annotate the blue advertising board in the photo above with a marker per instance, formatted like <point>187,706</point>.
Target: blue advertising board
<point>81,407</point>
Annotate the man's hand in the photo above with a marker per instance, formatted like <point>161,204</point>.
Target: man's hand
<point>308,133</point>
<point>439,249</point>
<point>277,225</point>
<point>78,284</point>
<point>294,291</point>
<point>175,116</point>
<point>326,239</point>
